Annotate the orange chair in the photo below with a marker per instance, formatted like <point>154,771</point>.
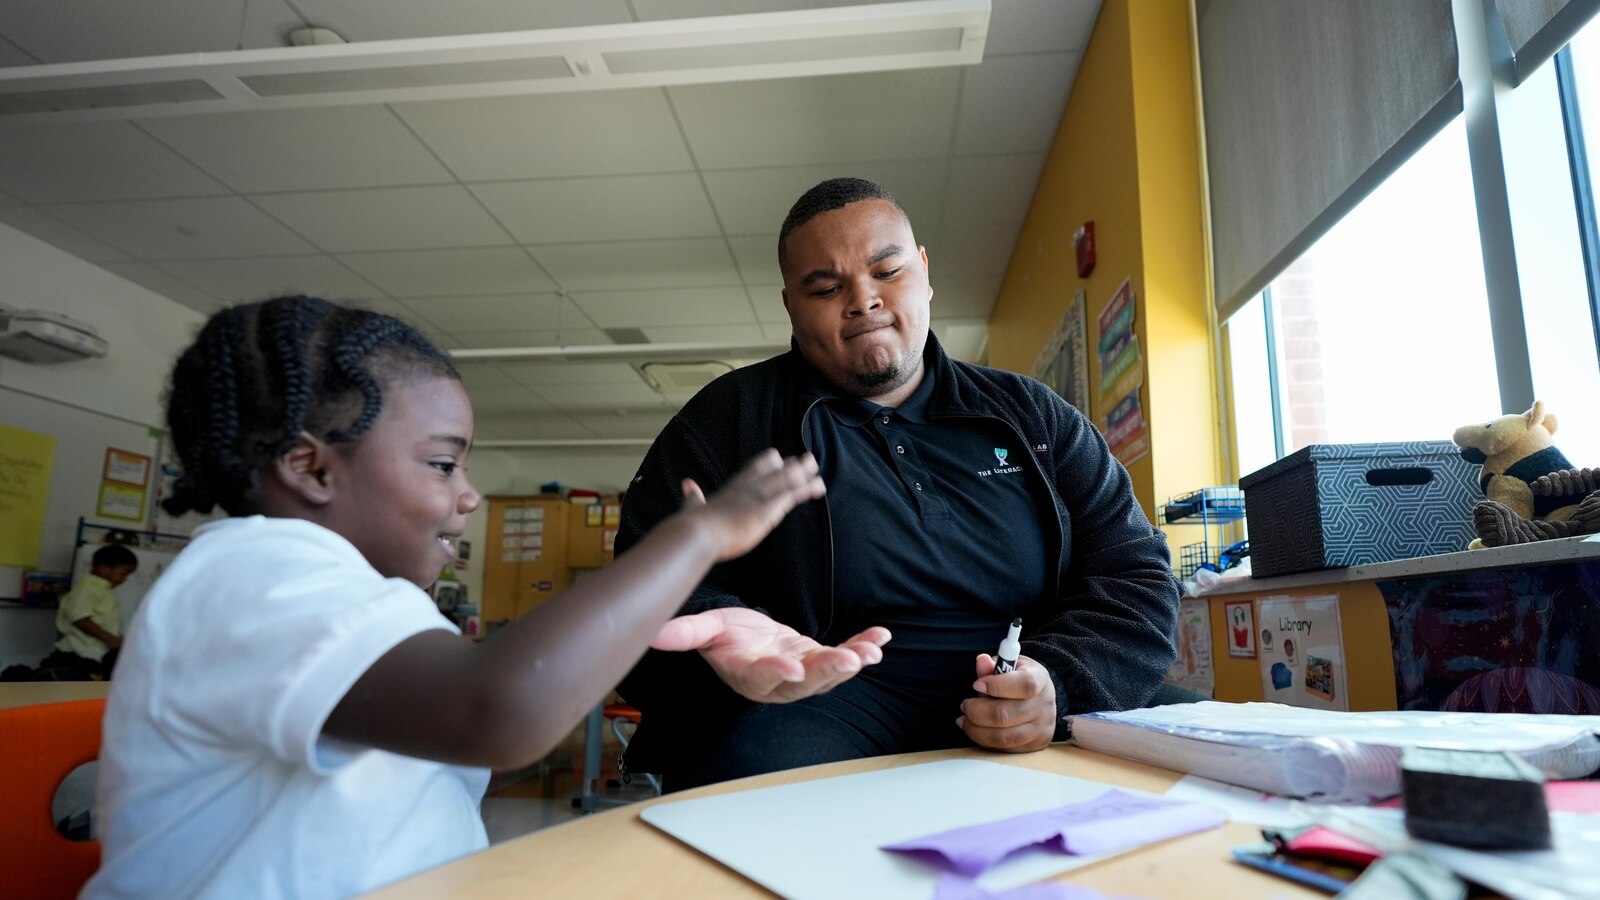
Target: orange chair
<point>42,745</point>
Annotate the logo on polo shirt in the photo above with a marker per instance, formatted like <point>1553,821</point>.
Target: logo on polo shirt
<point>1000,454</point>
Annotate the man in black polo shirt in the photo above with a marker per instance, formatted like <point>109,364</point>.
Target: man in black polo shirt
<point>959,497</point>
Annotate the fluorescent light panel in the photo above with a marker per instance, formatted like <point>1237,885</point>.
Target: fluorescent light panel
<point>879,37</point>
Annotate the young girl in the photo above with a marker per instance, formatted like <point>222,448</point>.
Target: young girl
<point>292,717</point>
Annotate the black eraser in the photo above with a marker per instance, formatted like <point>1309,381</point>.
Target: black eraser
<point>1472,798</point>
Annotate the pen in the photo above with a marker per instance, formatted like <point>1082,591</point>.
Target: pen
<point>1006,659</point>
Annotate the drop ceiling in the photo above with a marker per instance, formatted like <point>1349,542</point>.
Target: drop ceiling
<point>532,221</point>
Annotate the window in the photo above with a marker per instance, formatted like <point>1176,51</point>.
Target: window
<point>1383,325</point>
<point>1381,331</point>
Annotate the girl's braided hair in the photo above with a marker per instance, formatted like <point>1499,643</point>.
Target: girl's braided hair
<point>259,374</point>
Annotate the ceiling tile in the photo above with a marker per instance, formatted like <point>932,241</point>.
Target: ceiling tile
<point>66,237</point>
<point>638,264</point>
<point>406,218</point>
<point>376,20</point>
<point>681,306</point>
<point>566,337</point>
<point>552,426</point>
<point>987,189</point>
<point>271,276</point>
<point>199,228</point>
<point>615,208</point>
<point>12,55</point>
<point>1032,26</point>
<point>405,314</point>
<point>552,135</point>
<point>1013,104</point>
<point>434,273</point>
<point>506,399</point>
<point>687,334</point>
<point>966,294</point>
<point>569,372</point>
<point>58,163</point>
<point>767,301</point>
<point>57,32</point>
<point>777,331</point>
<point>302,149</point>
<point>148,276</point>
<point>483,375</point>
<point>757,258</point>
<point>600,396</point>
<point>828,119</point>
<point>982,249</point>
<point>755,201</point>
<point>505,313</point>
<point>641,424</point>
<point>8,200</point>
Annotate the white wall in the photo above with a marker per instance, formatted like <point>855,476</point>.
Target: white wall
<point>83,405</point>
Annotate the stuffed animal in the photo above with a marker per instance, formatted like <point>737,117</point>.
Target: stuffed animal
<point>1515,451</point>
<point>1498,525</point>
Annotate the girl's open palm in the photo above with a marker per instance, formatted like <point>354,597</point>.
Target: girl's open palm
<point>750,505</point>
<point>765,660</point>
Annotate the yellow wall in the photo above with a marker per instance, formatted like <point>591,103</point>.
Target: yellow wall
<point>1127,157</point>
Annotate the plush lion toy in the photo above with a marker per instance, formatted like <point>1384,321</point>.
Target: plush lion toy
<point>1516,451</point>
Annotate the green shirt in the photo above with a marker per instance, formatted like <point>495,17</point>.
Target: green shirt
<point>95,599</point>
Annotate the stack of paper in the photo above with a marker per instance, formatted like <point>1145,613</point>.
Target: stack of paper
<point>1341,757</point>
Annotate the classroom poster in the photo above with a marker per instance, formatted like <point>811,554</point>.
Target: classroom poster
<point>1063,364</point>
<point>1302,652</point>
<point>1241,622</point>
<point>118,501</point>
<point>1121,376</point>
<point>1192,669</point>
<point>26,458</point>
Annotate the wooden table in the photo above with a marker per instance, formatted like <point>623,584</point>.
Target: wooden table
<point>615,854</point>
<point>33,693</point>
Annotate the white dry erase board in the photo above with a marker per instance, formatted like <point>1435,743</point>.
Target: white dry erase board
<point>820,839</point>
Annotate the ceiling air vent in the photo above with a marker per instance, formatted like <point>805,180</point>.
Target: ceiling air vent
<point>683,377</point>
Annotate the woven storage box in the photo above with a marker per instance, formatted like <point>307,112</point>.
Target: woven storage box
<point>1331,505</point>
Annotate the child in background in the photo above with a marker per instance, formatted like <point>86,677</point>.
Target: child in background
<point>90,618</point>
<point>293,718</point>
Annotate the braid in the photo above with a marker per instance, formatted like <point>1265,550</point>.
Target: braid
<point>261,374</point>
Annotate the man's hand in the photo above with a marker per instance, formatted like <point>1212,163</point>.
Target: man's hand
<point>766,661</point>
<point>1018,713</point>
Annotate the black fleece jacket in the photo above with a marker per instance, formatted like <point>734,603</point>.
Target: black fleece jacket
<point>1105,632</point>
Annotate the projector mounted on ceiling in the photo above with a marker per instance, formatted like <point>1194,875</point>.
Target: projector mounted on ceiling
<point>37,336</point>
<point>878,37</point>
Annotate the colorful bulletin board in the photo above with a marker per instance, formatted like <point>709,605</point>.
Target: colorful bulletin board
<point>26,459</point>
<point>1121,376</point>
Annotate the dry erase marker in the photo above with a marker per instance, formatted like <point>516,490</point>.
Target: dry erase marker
<point>1006,660</point>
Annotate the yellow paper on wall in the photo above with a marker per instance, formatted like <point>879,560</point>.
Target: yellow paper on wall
<point>26,459</point>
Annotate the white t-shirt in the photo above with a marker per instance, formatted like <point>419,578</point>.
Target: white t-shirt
<point>215,780</point>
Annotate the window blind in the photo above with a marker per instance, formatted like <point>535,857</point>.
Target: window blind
<point>1308,106</point>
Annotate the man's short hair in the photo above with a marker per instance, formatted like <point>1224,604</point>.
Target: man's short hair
<point>115,555</point>
<point>832,194</point>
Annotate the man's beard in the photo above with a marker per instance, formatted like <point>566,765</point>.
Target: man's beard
<point>870,384</point>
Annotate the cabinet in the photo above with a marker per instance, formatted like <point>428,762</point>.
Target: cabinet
<point>592,532</point>
<point>525,562</point>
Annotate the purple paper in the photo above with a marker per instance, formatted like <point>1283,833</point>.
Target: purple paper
<point>1115,820</point>
<point>954,887</point>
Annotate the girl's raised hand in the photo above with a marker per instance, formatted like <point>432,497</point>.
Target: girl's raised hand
<point>753,503</point>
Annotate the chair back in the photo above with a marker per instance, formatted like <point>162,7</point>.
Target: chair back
<point>42,744</point>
